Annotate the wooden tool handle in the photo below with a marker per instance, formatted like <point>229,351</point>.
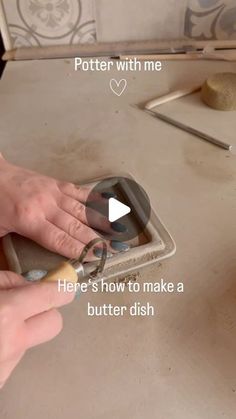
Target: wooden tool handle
<point>171,96</point>
<point>63,272</point>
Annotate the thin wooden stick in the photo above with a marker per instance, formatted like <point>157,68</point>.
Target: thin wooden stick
<point>223,55</point>
<point>113,48</point>
<point>184,91</point>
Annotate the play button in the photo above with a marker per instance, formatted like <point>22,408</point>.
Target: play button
<point>123,203</point>
<point>117,210</point>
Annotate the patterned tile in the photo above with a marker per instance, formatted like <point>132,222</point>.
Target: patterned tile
<point>211,19</point>
<point>50,22</point>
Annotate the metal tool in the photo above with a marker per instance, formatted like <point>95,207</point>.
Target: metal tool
<point>74,270</point>
<point>191,130</point>
<point>150,108</point>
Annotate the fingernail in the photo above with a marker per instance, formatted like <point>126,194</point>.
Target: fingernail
<point>119,246</point>
<point>118,227</point>
<point>108,195</point>
<point>78,294</point>
<point>99,252</point>
<point>34,275</point>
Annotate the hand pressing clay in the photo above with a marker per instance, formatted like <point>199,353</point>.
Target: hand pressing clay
<point>219,91</point>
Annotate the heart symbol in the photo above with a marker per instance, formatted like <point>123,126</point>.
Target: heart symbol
<point>118,87</point>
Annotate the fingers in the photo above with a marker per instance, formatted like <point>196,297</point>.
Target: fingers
<point>43,327</point>
<point>38,298</point>
<point>53,238</point>
<point>79,193</point>
<point>57,240</point>
<point>86,215</point>
<point>73,227</point>
<point>11,280</point>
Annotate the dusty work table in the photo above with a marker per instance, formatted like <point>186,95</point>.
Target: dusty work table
<point>179,364</point>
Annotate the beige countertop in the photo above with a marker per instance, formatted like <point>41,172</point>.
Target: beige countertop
<point>179,364</point>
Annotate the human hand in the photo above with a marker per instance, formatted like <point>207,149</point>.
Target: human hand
<point>48,211</point>
<point>28,317</point>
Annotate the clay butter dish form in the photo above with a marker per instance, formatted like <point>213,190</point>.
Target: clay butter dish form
<point>151,246</point>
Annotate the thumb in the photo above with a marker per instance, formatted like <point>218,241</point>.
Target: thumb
<point>9,280</point>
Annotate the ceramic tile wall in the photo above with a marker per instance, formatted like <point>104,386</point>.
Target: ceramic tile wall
<point>51,22</point>
<point>138,20</point>
<point>165,19</point>
<point>210,19</point>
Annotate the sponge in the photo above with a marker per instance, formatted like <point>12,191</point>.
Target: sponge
<point>219,91</point>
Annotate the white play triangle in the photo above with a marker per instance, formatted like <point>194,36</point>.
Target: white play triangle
<point>116,210</point>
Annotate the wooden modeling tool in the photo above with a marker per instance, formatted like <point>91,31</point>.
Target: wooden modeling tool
<point>74,270</point>
<point>149,107</point>
<point>171,96</point>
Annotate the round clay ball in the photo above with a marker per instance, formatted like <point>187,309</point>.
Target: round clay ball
<point>219,91</point>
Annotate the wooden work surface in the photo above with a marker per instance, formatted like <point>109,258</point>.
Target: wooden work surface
<point>179,364</point>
